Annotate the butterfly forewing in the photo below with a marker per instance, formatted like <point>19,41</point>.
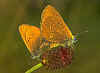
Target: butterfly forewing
<point>30,34</point>
<point>53,27</point>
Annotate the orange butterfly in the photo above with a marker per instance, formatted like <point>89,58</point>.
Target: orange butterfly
<point>52,34</point>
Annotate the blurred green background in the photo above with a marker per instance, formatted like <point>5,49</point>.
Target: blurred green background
<point>80,14</point>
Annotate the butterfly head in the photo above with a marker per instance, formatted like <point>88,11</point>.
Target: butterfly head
<point>75,39</point>
<point>73,42</point>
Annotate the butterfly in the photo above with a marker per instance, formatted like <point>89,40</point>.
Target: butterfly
<point>52,43</point>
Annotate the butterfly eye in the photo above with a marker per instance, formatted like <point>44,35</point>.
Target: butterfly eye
<point>75,39</point>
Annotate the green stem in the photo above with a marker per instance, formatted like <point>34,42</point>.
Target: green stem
<point>34,68</point>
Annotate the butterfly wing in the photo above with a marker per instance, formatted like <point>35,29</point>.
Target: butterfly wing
<point>30,34</point>
<point>53,28</point>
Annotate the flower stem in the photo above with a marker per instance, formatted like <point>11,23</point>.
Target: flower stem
<point>34,68</point>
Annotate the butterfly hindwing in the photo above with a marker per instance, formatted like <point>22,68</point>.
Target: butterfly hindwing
<point>30,34</point>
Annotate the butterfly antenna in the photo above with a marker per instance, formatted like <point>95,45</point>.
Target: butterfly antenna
<point>34,68</point>
<point>77,37</point>
<point>78,34</point>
